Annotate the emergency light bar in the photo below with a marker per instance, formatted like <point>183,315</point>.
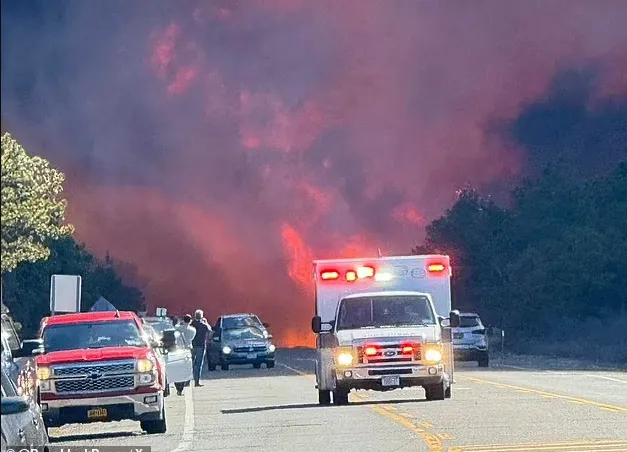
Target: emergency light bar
<point>366,271</point>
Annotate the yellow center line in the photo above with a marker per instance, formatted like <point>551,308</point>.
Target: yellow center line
<point>433,443</point>
<point>550,394</point>
<point>569,446</point>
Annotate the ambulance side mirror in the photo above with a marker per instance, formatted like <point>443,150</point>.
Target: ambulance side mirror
<point>318,326</point>
<point>454,320</point>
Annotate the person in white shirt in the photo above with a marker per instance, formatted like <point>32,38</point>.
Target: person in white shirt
<point>188,332</point>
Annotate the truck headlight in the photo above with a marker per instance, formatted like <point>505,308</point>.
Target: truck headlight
<point>43,373</point>
<point>433,355</point>
<point>146,378</point>
<point>145,365</point>
<point>226,350</point>
<point>271,348</point>
<point>345,359</point>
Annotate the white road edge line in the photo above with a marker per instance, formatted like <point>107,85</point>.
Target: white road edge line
<point>607,378</point>
<point>188,428</point>
<point>296,371</point>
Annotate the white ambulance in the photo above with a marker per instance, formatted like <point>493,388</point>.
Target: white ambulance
<point>378,323</point>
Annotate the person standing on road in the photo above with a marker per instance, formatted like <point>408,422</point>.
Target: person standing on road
<point>188,332</point>
<point>200,344</point>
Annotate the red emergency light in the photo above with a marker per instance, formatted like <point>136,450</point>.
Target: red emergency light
<point>370,350</point>
<point>351,276</point>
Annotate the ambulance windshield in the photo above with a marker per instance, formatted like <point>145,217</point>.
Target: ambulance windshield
<point>384,311</point>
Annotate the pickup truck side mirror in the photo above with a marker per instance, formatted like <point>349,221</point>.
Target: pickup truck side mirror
<point>270,336</point>
<point>454,319</point>
<point>30,347</point>
<point>169,339</point>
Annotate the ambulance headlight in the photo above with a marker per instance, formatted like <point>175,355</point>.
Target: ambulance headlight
<point>344,359</point>
<point>433,355</point>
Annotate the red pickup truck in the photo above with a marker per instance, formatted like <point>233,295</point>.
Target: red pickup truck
<point>100,366</point>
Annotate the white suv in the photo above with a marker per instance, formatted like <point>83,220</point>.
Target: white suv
<point>469,340</point>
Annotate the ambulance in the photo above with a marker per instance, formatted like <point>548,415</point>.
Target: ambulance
<point>382,324</point>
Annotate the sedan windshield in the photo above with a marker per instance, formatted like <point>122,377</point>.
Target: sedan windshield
<point>229,323</point>
<point>380,311</point>
<point>249,333</point>
<point>75,336</point>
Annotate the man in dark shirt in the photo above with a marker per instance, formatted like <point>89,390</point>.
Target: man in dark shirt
<point>199,344</point>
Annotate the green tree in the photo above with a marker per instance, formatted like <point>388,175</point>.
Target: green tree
<point>32,210</point>
<point>27,288</point>
<point>550,268</point>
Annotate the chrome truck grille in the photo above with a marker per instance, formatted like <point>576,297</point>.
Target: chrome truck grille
<point>251,349</point>
<point>389,353</point>
<point>94,377</point>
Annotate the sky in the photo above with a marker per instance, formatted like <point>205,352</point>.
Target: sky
<point>217,147</point>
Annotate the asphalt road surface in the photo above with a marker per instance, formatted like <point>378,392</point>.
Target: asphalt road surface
<point>504,408</point>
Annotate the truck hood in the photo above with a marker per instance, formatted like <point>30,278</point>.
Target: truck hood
<point>422,333</point>
<point>93,354</point>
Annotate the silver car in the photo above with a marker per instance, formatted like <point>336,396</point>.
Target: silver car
<point>469,340</point>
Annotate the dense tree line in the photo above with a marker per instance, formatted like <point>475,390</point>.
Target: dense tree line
<point>550,269</point>
<point>27,288</point>
<point>37,243</point>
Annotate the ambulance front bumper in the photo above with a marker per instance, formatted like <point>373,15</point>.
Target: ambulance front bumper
<point>388,377</point>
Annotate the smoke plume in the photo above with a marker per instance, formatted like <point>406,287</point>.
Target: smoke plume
<point>220,146</point>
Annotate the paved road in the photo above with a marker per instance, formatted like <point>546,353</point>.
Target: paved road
<point>498,409</point>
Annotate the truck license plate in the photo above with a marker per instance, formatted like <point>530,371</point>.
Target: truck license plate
<point>97,413</point>
<point>251,356</point>
<point>391,380</point>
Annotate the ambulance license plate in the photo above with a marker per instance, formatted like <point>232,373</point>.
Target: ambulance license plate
<point>251,356</point>
<point>97,413</point>
<point>391,380</point>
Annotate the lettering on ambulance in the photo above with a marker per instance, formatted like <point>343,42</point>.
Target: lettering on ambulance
<point>417,273</point>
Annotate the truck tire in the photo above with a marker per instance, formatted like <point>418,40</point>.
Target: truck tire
<point>448,392</point>
<point>484,360</point>
<point>340,397</point>
<point>157,426</point>
<point>324,397</point>
<point>211,366</point>
<point>257,366</point>
<point>435,392</point>
<point>270,364</point>
<point>224,366</point>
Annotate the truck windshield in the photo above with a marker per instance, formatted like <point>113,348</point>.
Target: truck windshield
<point>381,311</point>
<point>243,334</point>
<point>75,336</point>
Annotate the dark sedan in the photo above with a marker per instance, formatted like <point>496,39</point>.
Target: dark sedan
<point>247,345</point>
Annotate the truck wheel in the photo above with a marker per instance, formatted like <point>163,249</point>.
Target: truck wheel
<point>340,397</point>
<point>448,392</point>
<point>484,361</point>
<point>435,392</point>
<point>156,426</point>
<point>257,366</point>
<point>270,364</point>
<point>324,397</point>
<point>224,366</point>
<point>166,390</point>
<point>211,366</point>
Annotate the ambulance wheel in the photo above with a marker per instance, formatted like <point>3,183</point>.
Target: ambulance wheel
<point>340,397</point>
<point>435,392</point>
<point>324,397</point>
